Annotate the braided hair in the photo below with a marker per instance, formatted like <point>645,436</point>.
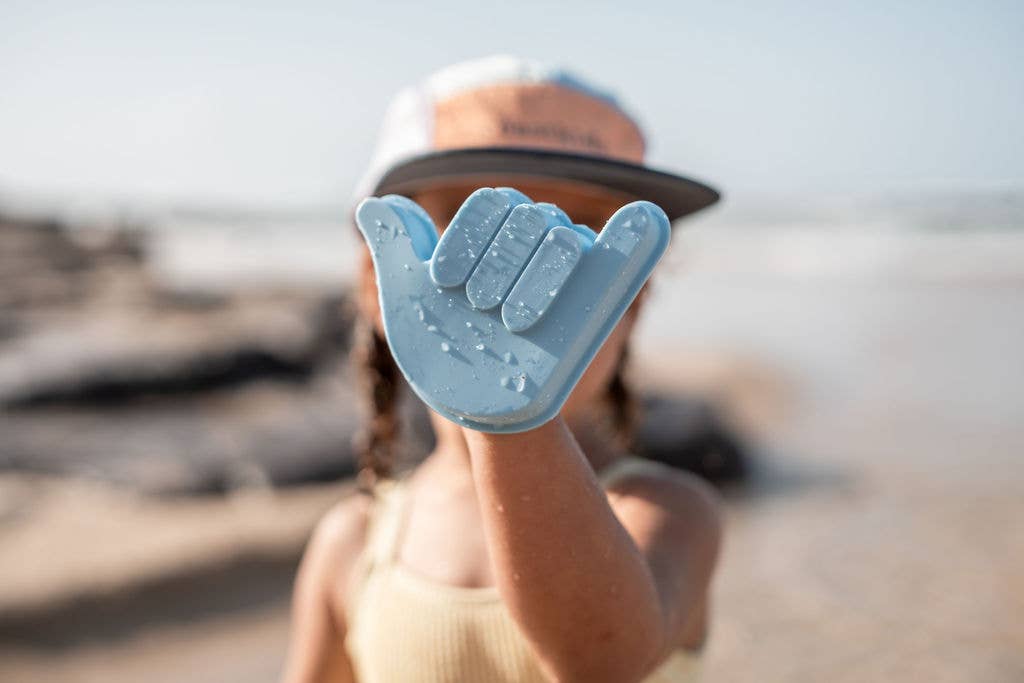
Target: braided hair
<point>379,381</point>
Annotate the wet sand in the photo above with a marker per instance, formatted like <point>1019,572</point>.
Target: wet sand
<point>879,538</point>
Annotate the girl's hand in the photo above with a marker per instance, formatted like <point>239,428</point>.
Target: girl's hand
<point>493,324</point>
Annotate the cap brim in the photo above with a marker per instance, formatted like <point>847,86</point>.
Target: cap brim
<point>676,195</point>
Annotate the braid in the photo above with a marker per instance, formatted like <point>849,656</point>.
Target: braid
<point>376,445</point>
<point>622,402</point>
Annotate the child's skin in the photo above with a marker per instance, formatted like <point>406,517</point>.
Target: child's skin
<point>526,513</point>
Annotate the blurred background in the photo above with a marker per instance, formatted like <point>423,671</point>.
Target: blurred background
<point>839,340</point>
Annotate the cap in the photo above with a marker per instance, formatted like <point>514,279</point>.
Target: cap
<point>501,116</point>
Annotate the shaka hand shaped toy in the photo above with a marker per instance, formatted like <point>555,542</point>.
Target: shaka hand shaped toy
<point>494,323</point>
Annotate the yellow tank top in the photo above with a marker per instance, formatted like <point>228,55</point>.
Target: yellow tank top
<point>403,627</point>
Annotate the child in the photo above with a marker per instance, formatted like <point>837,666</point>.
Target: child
<point>550,554</point>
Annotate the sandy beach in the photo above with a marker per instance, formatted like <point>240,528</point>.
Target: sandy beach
<point>880,540</point>
<point>878,537</point>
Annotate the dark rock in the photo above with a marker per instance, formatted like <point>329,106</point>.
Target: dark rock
<point>689,433</point>
<point>43,263</point>
<point>265,434</point>
<point>118,356</point>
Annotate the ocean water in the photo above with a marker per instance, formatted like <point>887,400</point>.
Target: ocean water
<point>225,253</point>
<point>962,234</point>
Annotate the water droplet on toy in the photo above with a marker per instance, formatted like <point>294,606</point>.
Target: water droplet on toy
<point>521,383</point>
<point>379,223</point>
<point>627,224</point>
<point>480,347</point>
<point>439,290</point>
<point>445,347</point>
<point>431,328</point>
<point>504,381</point>
<point>407,266</point>
<point>469,324</point>
<point>550,293</point>
<point>441,258</point>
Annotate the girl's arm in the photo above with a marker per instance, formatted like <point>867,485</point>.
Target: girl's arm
<point>598,603</point>
<point>316,653</point>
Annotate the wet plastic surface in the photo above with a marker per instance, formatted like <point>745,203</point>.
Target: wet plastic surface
<point>494,323</point>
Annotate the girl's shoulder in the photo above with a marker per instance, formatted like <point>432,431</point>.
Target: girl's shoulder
<point>336,545</point>
<point>345,528</point>
<point>646,489</point>
<point>344,525</point>
<point>637,473</point>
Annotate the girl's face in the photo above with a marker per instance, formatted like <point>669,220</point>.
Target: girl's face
<point>585,204</point>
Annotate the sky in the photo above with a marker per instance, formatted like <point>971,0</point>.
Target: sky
<point>277,104</point>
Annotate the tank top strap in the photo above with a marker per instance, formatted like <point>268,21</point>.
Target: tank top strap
<point>623,467</point>
<point>381,536</point>
<point>388,517</point>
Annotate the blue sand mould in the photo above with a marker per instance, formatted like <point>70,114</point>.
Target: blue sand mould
<point>494,323</point>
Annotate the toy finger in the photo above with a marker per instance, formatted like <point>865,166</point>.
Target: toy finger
<point>542,279</point>
<point>388,228</point>
<point>468,236</point>
<point>506,256</point>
